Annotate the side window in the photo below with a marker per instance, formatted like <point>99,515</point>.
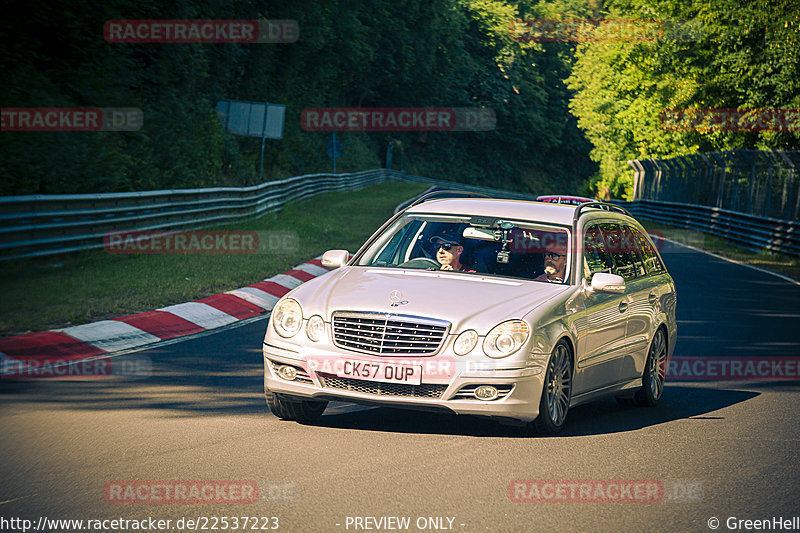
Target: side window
<point>632,247</point>
<point>615,241</point>
<point>595,254</point>
<point>651,261</point>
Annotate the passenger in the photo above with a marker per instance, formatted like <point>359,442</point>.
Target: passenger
<point>555,262</point>
<point>449,250</point>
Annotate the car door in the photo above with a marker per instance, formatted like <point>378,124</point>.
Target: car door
<point>658,291</point>
<point>642,297</point>
<point>625,265</point>
<point>602,327</point>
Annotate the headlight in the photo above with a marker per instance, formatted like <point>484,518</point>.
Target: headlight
<point>465,342</point>
<point>315,328</point>
<point>287,317</point>
<point>505,338</point>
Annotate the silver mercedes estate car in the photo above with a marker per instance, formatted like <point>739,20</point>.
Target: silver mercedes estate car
<point>509,309</point>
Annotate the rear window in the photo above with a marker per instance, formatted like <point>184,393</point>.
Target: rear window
<point>652,263</point>
<point>623,259</point>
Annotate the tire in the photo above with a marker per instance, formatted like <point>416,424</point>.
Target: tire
<point>554,404</point>
<point>306,411</point>
<point>303,411</point>
<point>655,371</point>
<point>277,405</point>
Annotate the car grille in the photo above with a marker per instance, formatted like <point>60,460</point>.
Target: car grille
<point>426,390</point>
<point>388,334</point>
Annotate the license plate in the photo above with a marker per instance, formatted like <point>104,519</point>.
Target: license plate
<point>381,371</point>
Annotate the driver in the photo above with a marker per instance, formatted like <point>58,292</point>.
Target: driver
<point>449,250</point>
<point>555,262</point>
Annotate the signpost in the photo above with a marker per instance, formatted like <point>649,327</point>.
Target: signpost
<point>335,149</point>
<point>253,119</point>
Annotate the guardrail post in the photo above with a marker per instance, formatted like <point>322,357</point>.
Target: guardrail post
<point>666,180</point>
<point>733,199</point>
<point>638,178</point>
<point>788,185</point>
<point>710,174</point>
<point>659,172</point>
<point>721,165</point>
<point>750,204</point>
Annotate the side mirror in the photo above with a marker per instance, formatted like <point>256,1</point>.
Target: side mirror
<point>602,282</point>
<point>336,258</point>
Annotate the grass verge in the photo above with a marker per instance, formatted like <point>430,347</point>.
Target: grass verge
<point>784,264</point>
<point>72,289</point>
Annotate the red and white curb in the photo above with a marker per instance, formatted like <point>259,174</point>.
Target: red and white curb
<point>131,332</point>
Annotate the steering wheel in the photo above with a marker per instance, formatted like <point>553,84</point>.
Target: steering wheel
<point>421,263</point>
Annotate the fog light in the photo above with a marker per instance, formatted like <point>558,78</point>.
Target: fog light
<point>287,372</point>
<point>486,392</point>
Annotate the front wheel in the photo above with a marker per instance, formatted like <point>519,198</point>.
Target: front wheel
<point>554,404</point>
<point>303,411</point>
<point>655,372</point>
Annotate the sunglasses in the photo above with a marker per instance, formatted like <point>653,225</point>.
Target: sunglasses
<point>554,255</point>
<point>446,246</point>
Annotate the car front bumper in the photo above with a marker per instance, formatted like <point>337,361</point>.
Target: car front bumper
<point>448,387</point>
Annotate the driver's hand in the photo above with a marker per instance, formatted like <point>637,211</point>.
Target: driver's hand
<point>447,267</point>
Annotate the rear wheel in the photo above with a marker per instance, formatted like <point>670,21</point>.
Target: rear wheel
<point>554,405</point>
<point>303,411</point>
<point>655,372</point>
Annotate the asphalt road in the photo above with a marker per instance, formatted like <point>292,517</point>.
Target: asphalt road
<point>715,449</point>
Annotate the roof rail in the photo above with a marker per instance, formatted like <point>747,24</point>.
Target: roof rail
<point>599,205</point>
<point>447,193</point>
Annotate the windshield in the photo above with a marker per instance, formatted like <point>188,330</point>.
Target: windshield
<point>473,245</point>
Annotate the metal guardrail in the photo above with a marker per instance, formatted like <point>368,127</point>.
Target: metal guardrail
<point>748,231</point>
<point>39,225</point>
<point>763,183</point>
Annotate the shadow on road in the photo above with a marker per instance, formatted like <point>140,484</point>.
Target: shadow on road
<point>601,417</point>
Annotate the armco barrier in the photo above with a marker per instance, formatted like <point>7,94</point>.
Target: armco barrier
<point>51,224</point>
<point>748,231</point>
<point>40,225</point>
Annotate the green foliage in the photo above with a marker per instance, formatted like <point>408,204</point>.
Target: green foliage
<point>375,53</point>
<point>732,54</point>
<point>569,116</point>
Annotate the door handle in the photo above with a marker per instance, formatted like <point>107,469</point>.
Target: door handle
<point>653,299</point>
<point>622,307</point>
